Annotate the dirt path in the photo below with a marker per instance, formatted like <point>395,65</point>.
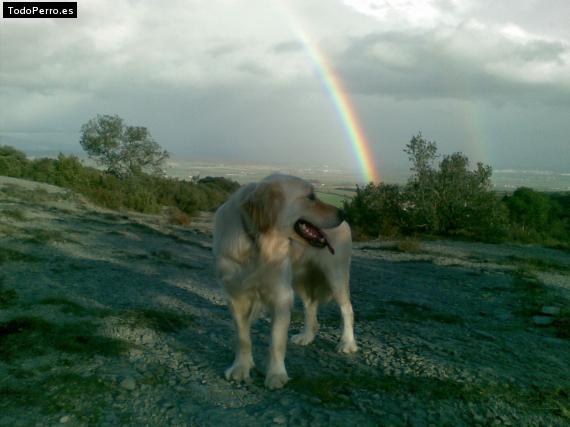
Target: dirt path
<point>115,319</point>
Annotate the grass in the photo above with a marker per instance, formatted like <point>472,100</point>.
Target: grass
<point>42,236</point>
<point>409,245</point>
<point>422,312</point>
<point>177,217</point>
<point>115,217</point>
<point>406,245</point>
<point>54,387</point>
<point>26,336</point>
<point>413,312</point>
<point>161,320</point>
<point>539,264</point>
<point>16,214</point>
<point>562,325</point>
<point>63,392</point>
<point>166,257</point>
<point>11,255</point>
<point>70,307</point>
<point>533,295</point>
<point>333,391</point>
<point>38,195</point>
<point>162,255</point>
<point>7,296</point>
<point>164,321</point>
<point>327,388</point>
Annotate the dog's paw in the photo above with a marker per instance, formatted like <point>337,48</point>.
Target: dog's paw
<point>303,338</point>
<point>347,347</point>
<point>238,372</point>
<point>276,380</point>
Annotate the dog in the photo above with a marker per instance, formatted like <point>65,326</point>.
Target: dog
<point>273,238</point>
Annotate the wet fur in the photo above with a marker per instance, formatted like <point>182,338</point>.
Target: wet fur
<point>260,260</point>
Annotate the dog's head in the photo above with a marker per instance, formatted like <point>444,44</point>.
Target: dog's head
<point>288,205</point>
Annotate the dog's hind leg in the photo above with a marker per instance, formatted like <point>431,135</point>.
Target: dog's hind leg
<point>311,326</point>
<point>242,309</point>
<point>347,342</point>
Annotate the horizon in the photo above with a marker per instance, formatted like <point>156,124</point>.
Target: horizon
<point>242,171</point>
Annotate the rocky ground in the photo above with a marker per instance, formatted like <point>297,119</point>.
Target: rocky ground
<point>111,318</point>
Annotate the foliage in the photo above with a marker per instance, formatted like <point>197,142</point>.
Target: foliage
<point>452,199</point>
<point>138,192</point>
<point>12,161</point>
<point>536,216</point>
<point>123,150</point>
<point>421,189</point>
<point>377,209</point>
<point>449,199</point>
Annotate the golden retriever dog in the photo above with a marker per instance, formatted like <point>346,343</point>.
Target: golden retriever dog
<point>271,238</point>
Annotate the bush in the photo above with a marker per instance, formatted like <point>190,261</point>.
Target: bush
<point>376,210</point>
<point>12,162</point>
<point>177,217</point>
<point>448,200</point>
<point>537,217</point>
<point>138,192</point>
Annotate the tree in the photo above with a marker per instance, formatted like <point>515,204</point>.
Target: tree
<point>465,201</point>
<point>531,211</point>
<point>123,150</point>
<point>421,186</point>
<point>447,198</point>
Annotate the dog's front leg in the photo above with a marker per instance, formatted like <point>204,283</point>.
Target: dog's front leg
<point>241,308</point>
<point>347,342</point>
<point>281,302</point>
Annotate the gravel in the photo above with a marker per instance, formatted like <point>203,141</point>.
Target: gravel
<point>442,337</point>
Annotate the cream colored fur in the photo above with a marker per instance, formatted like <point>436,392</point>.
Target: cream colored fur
<point>260,261</point>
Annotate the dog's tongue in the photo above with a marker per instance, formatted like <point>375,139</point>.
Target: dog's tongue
<point>313,235</point>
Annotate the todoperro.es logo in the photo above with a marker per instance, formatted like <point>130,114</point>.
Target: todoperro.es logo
<point>44,9</point>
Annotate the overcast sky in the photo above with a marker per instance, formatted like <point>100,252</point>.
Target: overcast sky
<point>229,79</point>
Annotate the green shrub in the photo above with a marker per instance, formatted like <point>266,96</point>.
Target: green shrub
<point>12,162</point>
<point>537,217</point>
<point>450,200</point>
<point>138,192</point>
<point>377,210</point>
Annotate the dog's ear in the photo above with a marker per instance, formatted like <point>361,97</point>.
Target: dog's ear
<point>262,206</point>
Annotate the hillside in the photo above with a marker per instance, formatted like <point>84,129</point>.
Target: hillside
<point>111,318</point>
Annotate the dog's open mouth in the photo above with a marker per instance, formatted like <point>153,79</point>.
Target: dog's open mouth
<point>313,235</point>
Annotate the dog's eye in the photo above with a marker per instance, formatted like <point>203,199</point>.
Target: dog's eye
<point>311,196</point>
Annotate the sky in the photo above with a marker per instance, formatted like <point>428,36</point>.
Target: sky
<point>231,80</point>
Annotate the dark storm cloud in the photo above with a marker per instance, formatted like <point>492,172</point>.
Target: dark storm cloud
<point>423,66</point>
<point>227,78</point>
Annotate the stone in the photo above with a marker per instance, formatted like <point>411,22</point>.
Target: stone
<point>542,320</point>
<point>129,383</point>
<point>65,419</point>
<point>550,310</point>
<point>280,419</point>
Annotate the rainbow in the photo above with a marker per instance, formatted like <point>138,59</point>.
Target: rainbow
<point>346,112</point>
